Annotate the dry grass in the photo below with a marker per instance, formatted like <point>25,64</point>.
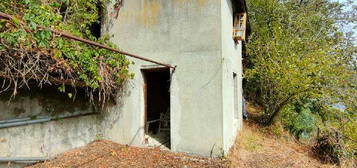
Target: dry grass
<point>270,147</point>
<point>256,149</point>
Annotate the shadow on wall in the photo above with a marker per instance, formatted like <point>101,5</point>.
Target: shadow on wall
<point>46,101</point>
<point>113,111</point>
<point>55,137</point>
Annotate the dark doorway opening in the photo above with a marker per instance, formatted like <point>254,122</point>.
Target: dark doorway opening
<point>157,105</point>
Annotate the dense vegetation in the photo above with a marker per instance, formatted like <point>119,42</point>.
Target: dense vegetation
<point>302,69</point>
<point>29,54</point>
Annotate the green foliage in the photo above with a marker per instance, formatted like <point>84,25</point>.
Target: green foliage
<point>296,51</point>
<point>301,65</point>
<point>53,58</point>
<point>344,124</point>
<point>349,130</point>
<point>299,120</point>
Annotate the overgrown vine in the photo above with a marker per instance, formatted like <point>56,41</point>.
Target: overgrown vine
<point>29,54</point>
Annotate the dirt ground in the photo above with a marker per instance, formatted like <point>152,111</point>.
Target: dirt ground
<point>107,154</point>
<point>255,147</point>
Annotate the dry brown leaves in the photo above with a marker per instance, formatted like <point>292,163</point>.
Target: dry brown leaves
<point>106,154</point>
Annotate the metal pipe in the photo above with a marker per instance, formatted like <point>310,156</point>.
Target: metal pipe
<point>13,120</point>
<point>22,159</point>
<point>69,36</point>
<point>14,124</point>
<point>41,120</point>
<point>20,119</point>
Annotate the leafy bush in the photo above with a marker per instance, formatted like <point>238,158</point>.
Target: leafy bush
<point>343,127</point>
<point>28,53</point>
<point>349,131</point>
<point>299,120</point>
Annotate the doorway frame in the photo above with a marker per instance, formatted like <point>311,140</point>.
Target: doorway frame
<point>155,68</point>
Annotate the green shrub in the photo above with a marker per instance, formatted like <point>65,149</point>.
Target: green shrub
<point>299,120</point>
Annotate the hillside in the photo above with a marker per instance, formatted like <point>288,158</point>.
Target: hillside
<point>257,148</point>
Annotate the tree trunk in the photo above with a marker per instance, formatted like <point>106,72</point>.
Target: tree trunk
<point>269,119</point>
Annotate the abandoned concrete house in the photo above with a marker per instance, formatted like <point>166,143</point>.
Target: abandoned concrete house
<point>195,108</point>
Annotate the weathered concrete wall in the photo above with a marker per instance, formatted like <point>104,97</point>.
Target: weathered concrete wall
<point>232,63</point>
<point>47,139</point>
<point>195,35</point>
<point>47,101</point>
<point>51,138</point>
<point>186,33</point>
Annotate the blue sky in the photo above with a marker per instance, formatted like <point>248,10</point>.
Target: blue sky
<point>351,26</point>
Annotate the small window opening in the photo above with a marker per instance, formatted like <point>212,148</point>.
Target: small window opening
<point>235,99</point>
<point>97,26</point>
<point>63,11</point>
<point>239,29</point>
<point>157,96</point>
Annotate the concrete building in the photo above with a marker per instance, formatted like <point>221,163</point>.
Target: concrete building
<point>196,108</point>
